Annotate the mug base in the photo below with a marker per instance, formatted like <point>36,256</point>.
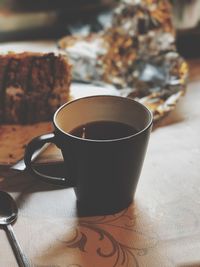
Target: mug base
<point>85,210</point>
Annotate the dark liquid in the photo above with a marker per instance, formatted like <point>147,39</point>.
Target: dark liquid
<point>103,130</point>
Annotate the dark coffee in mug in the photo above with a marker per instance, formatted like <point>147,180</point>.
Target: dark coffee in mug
<point>103,130</point>
<point>103,140</point>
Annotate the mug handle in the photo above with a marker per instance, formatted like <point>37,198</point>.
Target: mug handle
<point>34,145</point>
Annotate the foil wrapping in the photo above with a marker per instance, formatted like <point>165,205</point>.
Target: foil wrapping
<point>134,51</point>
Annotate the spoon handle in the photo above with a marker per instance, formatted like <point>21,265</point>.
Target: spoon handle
<point>20,256</point>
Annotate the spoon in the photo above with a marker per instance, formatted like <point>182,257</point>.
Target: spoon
<point>8,214</point>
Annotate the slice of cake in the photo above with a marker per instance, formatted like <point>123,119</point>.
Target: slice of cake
<point>32,86</point>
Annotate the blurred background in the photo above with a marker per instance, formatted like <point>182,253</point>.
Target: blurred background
<point>186,19</point>
<point>27,19</point>
<point>47,19</point>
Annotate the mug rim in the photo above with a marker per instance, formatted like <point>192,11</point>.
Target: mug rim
<point>104,140</point>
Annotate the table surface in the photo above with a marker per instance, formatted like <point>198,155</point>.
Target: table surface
<point>160,229</point>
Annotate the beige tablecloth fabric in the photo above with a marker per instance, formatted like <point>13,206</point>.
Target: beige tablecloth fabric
<point>160,229</point>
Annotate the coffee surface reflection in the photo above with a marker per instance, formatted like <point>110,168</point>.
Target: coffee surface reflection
<point>103,130</point>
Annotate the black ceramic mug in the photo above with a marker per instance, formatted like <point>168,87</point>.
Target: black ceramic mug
<point>104,173</point>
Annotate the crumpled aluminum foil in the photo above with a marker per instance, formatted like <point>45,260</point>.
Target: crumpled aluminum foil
<point>134,50</point>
